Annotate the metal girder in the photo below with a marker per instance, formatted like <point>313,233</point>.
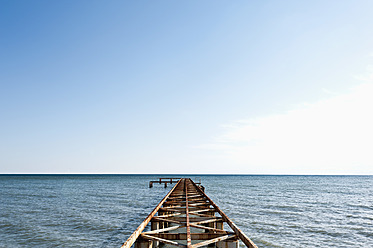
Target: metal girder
<point>187,217</point>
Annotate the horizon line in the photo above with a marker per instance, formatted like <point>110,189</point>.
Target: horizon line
<point>173,174</point>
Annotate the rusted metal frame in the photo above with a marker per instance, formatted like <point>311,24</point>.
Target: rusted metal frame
<point>196,209</point>
<point>163,230</point>
<point>204,215</point>
<point>215,240</point>
<point>194,204</point>
<point>202,210</point>
<point>175,212</point>
<point>178,193</point>
<point>211,229</point>
<point>176,198</point>
<point>171,215</point>
<point>191,201</point>
<point>167,220</point>
<point>171,198</point>
<point>163,181</point>
<point>201,206</point>
<point>208,221</point>
<point>188,237</point>
<point>182,236</point>
<point>172,204</point>
<point>176,209</point>
<point>172,212</point>
<point>179,205</point>
<point>246,240</point>
<point>193,195</point>
<point>191,219</point>
<point>204,203</point>
<point>129,242</point>
<point>173,208</point>
<point>166,241</point>
<point>199,203</point>
<point>196,197</point>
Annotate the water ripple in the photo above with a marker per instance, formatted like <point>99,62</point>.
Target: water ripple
<point>102,211</point>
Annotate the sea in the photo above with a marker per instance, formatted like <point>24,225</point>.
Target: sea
<point>103,210</point>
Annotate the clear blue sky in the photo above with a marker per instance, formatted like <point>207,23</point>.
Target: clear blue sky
<point>174,86</point>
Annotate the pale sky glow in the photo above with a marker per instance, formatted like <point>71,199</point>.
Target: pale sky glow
<point>332,136</point>
<point>237,87</point>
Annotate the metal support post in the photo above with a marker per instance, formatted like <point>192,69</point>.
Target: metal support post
<point>228,244</point>
<point>143,243</point>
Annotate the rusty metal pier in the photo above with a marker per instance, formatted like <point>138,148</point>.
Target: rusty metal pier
<point>187,217</point>
<point>165,180</point>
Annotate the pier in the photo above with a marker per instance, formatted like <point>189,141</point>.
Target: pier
<point>165,180</point>
<point>187,217</point>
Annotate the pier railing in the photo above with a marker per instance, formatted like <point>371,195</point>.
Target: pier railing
<point>187,217</point>
<point>165,180</point>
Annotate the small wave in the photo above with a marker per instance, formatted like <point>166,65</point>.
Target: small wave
<point>366,234</point>
<point>265,243</point>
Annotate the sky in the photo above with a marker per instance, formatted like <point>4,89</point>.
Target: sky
<point>186,87</point>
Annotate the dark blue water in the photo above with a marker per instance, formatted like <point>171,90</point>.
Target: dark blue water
<point>102,211</point>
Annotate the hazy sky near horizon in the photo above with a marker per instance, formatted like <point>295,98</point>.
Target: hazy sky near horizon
<point>273,87</point>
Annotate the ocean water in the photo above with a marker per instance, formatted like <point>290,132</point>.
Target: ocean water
<point>103,211</point>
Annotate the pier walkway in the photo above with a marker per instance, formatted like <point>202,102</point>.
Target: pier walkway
<point>187,217</point>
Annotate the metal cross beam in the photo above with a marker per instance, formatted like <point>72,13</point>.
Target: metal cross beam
<point>187,217</point>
